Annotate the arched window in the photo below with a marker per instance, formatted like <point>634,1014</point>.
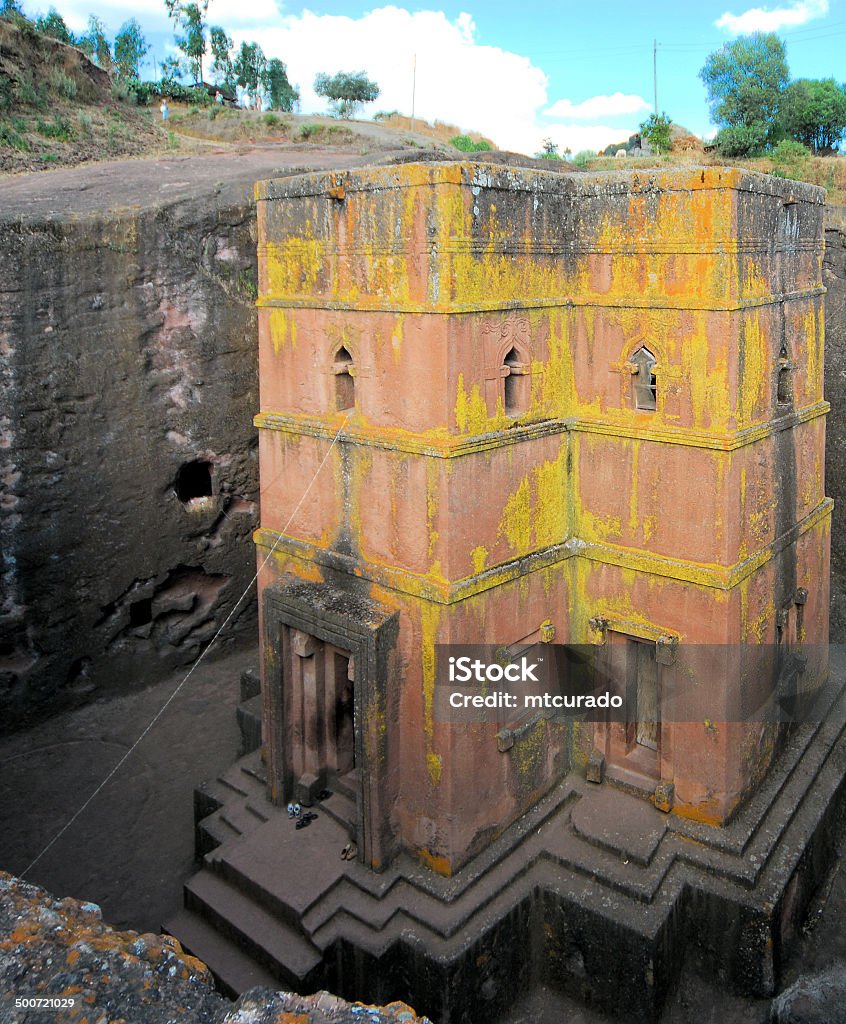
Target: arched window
<point>344,380</point>
<point>643,380</point>
<point>516,383</point>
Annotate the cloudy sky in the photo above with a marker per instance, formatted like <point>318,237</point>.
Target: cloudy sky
<point>579,73</point>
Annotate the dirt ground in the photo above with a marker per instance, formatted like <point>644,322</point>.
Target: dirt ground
<point>92,189</point>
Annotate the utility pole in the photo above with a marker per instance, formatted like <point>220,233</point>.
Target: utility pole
<point>655,72</point>
<point>413,89</point>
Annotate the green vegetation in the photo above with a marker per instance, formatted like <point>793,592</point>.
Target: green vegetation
<point>346,91</point>
<point>549,150</point>
<point>281,94</point>
<point>9,137</point>
<point>790,159</point>
<point>59,128</point>
<point>745,80</point>
<point>250,67</point>
<point>221,48</point>
<point>756,105</point>
<point>656,130</point>
<point>62,83</point>
<point>467,145</point>
<point>190,18</point>
<point>813,112</point>
<point>130,49</point>
<point>53,24</point>
<point>584,157</point>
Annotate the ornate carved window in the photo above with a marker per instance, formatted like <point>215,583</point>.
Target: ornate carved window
<point>516,382</point>
<point>644,384</point>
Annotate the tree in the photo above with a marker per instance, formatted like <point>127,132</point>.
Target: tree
<point>656,129</point>
<point>549,150</point>
<point>250,67</point>
<point>742,139</point>
<point>746,79</point>
<point>191,18</point>
<point>96,45</point>
<point>172,69</point>
<point>221,48</point>
<point>281,94</point>
<point>130,48</point>
<point>346,91</point>
<point>814,113</point>
<point>53,24</point>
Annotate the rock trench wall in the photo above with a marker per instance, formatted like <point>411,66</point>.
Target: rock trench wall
<point>61,952</point>
<point>128,479</point>
<point>128,474</point>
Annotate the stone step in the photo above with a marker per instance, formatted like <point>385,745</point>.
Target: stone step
<point>243,818</point>
<point>234,971</point>
<point>272,942</point>
<point>340,808</point>
<point>255,770</point>
<point>345,785</point>
<point>284,869</point>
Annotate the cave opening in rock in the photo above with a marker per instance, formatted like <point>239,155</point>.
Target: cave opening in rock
<point>194,480</point>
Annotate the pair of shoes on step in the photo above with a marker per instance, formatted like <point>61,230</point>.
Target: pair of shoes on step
<point>306,820</point>
<point>349,852</point>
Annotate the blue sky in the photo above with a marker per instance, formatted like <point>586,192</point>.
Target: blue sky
<point>578,73</point>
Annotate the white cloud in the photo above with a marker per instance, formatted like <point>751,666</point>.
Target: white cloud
<point>480,88</point>
<point>460,81</point>
<point>475,87</point>
<point>598,106</point>
<point>759,19</point>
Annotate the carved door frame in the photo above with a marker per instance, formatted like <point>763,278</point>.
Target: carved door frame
<point>369,632</point>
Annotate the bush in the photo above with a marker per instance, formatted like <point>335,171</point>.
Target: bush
<point>27,95</point>
<point>789,151</point>
<point>85,121</point>
<point>307,130</point>
<point>9,137</point>
<point>741,140</point>
<point>147,92</point>
<point>790,159</point>
<point>584,157</point>
<point>62,83</point>
<point>59,128</point>
<point>270,119</point>
<point>124,92</point>
<point>467,145</point>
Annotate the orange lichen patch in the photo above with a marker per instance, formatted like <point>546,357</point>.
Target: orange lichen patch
<point>706,813</point>
<point>503,464</point>
<point>440,864</point>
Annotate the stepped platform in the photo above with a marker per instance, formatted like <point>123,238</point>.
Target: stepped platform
<point>594,892</point>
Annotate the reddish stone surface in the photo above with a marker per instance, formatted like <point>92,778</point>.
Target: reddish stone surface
<point>450,434</point>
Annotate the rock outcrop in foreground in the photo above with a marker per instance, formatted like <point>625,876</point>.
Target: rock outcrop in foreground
<point>61,953</point>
